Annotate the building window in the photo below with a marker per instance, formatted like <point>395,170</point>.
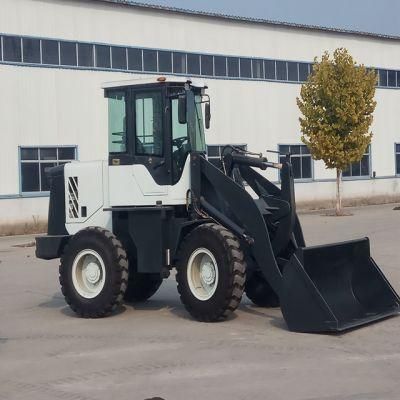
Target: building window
<point>220,66</point>
<point>233,67</point>
<point>118,57</point>
<point>383,77</point>
<point>35,161</point>
<point>281,71</point>
<point>392,78</point>
<point>68,53</point>
<point>12,49</point>
<point>179,60</point>
<point>245,67</point>
<point>135,61</point>
<point>270,71</point>
<point>31,50</point>
<point>300,158</point>
<point>303,71</point>
<point>207,65</point>
<point>50,52</point>
<point>258,69</point>
<point>54,52</point>
<point>193,64</point>
<point>150,60</point>
<point>164,61</point>
<point>214,152</point>
<point>85,55</point>
<point>103,59</point>
<point>397,145</point>
<point>293,73</point>
<point>359,168</point>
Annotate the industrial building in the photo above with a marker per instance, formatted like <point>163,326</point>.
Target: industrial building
<point>56,54</point>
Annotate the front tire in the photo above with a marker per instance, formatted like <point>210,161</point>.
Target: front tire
<point>211,273</point>
<point>94,273</point>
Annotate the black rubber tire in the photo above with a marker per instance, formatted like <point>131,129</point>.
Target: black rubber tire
<point>259,291</point>
<point>141,286</point>
<point>115,261</point>
<point>225,247</point>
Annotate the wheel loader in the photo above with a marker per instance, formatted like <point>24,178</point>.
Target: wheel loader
<point>120,226</point>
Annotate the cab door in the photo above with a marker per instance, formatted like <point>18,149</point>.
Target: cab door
<point>151,133</point>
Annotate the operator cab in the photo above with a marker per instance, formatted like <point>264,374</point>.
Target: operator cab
<point>156,123</point>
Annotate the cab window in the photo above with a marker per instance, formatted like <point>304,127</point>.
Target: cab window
<point>117,122</point>
<point>149,124</point>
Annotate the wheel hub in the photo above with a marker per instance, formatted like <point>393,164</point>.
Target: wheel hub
<point>207,273</point>
<point>92,272</point>
<point>88,273</point>
<point>202,274</point>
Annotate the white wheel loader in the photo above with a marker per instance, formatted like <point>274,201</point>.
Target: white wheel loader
<point>119,226</point>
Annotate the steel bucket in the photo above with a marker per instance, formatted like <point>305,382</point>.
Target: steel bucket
<point>335,287</point>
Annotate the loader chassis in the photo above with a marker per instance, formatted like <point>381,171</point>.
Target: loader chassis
<point>119,226</point>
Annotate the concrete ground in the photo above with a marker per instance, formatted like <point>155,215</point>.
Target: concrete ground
<point>156,350</point>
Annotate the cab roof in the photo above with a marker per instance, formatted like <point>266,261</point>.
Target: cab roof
<point>154,80</point>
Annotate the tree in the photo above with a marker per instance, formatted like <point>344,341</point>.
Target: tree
<point>337,102</point>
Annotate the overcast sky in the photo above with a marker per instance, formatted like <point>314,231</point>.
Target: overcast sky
<point>379,16</point>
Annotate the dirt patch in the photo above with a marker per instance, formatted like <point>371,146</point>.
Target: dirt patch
<point>24,245</point>
<point>332,213</point>
<point>23,228</point>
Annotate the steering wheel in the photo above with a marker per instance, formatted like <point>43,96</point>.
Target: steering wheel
<point>178,142</point>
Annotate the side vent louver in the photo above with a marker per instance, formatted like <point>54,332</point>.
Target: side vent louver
<point>73,197</point>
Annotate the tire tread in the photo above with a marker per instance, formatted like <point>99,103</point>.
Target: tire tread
<point>120,265</point>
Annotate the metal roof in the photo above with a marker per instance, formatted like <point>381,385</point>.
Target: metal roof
<point>249,19</point>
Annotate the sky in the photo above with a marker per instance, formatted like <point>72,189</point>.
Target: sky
<point>377,16</point>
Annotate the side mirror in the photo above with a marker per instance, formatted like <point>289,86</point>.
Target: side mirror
<point>182,109</point>
<point>207,115</point>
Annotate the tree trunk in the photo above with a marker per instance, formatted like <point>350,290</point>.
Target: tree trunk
<point>339,210</point>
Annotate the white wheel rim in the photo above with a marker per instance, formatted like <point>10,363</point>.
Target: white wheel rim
<point>202,274</point>
<point>88,273</point>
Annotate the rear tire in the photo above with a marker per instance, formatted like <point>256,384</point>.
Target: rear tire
<point>260,292</point>
<point>94,273</point>
<point>211,273</point>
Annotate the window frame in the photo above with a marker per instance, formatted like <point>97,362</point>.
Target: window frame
<point>19,59</point>
<point>312,178</point>
<point>97,56</point>
<point>25,41</point>
<point>114,58</point>
<point>38,162</point>
<point>49,41</point>
<point>73,45</point>
<point>361,177</point>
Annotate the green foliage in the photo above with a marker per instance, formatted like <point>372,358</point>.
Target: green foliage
<point>337,103</point>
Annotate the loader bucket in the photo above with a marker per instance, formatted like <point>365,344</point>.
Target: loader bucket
<point>335,287</point>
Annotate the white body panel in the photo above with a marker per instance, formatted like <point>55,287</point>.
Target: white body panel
<point>89,190</point>
<point>96,186</point>
<point>133,185</point>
